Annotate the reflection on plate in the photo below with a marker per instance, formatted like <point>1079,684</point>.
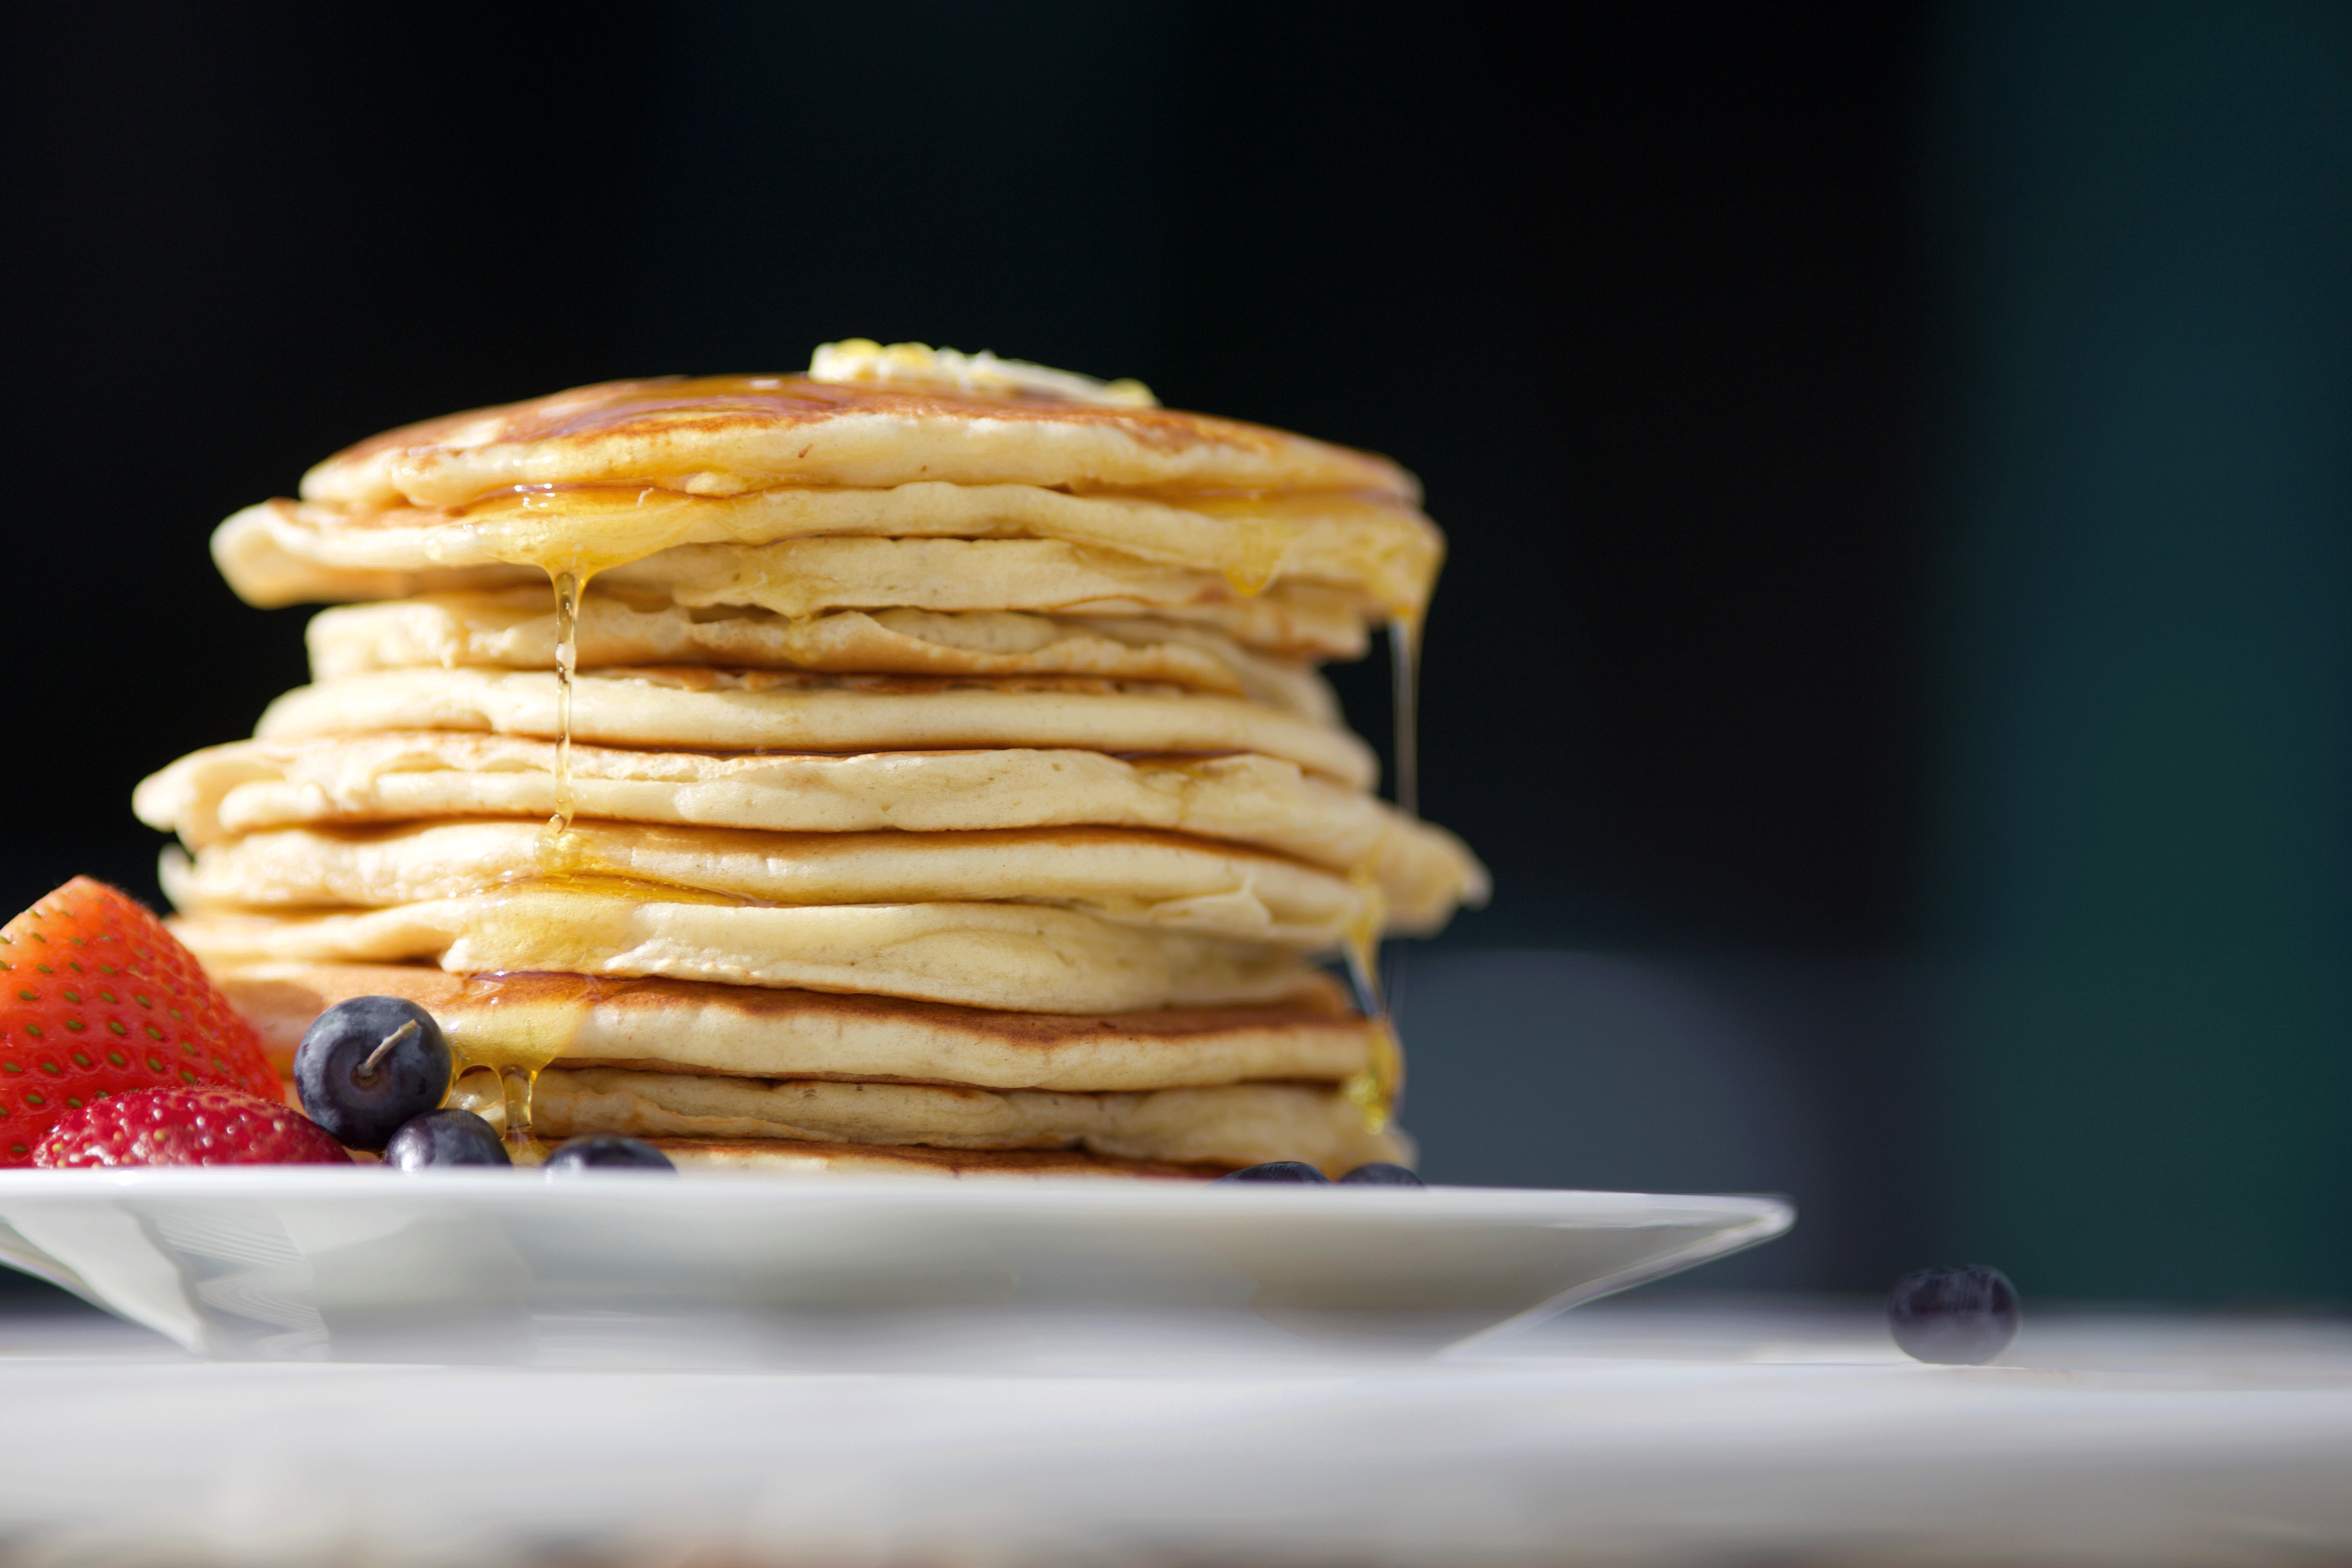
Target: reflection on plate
<point>497,1267</point>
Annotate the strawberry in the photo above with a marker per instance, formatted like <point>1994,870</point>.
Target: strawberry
<point>97,998</point>
<point>205,1126</point>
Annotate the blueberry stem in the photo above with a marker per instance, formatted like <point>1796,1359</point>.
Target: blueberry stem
<point>367,1069</point>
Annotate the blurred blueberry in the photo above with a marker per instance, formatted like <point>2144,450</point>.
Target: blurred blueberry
<point>1276,1171</point>
<point>606,1151</point>
<point>1954,1317</point>
<point>1380,1173</point>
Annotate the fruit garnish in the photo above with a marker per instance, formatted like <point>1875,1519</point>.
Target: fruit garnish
<point>204,1126</point>
<point>1276,1171</point>
<point>606,1151</point>
<point>450,1137</point>
<point>1954,1317</point>
<point>1380,1173</point>
<point>97,999</point>
<point>369,1065</point>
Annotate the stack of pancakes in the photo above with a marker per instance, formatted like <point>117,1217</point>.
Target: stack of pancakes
<point>915,765</point>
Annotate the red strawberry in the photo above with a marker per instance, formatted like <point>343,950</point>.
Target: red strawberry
<point>204,1126</point>
<point>97,998</point>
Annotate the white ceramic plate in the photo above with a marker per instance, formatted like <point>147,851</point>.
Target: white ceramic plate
<point>295,1263</point>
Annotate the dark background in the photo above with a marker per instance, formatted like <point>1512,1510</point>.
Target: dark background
<point>1668,304</point>
<point>1634,301</point>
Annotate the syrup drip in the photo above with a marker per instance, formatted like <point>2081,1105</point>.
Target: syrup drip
<point>1374,1091</point>
<point>1364,974</point>
<point>497,1086</point>
<point>1404,684</point>
<point>567,664</point>
<point>505,1030</point>
<point>559,851</point>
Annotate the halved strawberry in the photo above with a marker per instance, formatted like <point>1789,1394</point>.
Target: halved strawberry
<point>97,998</point>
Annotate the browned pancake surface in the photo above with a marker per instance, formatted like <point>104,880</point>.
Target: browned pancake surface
<point>663,429</point>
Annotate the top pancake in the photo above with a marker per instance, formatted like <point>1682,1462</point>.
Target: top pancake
<point>734,433</point>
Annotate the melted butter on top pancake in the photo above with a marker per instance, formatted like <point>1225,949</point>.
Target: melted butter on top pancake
<point>856,362</point>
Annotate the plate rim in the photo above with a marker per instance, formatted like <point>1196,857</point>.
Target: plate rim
<point>1737,1221</point>
<point>745,1185</point>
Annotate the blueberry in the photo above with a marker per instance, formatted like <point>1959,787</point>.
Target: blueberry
<point>367,1066</point>
<point>606,1151</point>
<point>1954,1317</point>
<point>1380,1173</point>
<point>449,1137</point>
<point>1276,1171</point>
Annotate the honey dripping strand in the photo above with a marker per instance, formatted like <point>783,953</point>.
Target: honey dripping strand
<point>1405,685</point>
<point>1372,1090</point>
<point>516,1082</point>
<point>567,664</point>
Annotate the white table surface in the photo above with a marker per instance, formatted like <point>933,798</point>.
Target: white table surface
<point>1659,1430</point>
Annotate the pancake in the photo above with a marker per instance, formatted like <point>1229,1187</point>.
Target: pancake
<point>252,786</point>
<point>686,1026</point>
<point>515,629</point>
<point>1122,875</point>
<point>801,577</point>
<point>682,706</point>
<point>1384,551</point>
<point>1024,957</point>
<point>780,1157</point>
<point>1236,1124</point>
<point>729,435</point>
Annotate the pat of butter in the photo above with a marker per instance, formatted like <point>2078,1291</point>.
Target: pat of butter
<point>861,362</point>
